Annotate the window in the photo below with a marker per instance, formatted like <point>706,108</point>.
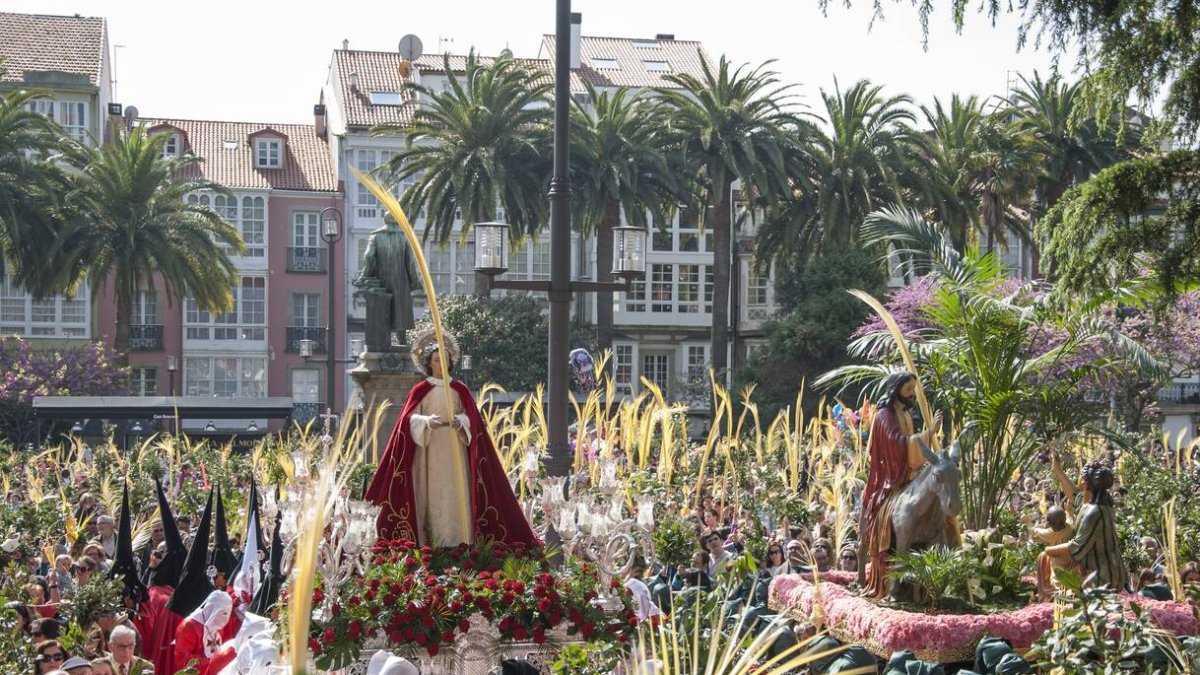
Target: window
<point>58,316</point>
<point>145,308</point>
<point>623,368</point>
<point>70,115</point>
<point>645,44</point>
<point>661,240</point>
<point>245,320</point>
<point>268,153</point>
<point>306,310</point>
<point>385,98</point>
<point>605,64</point>
<point>366,162</point>
<point>756,289</point>
<point>689,289</point>
<point>656,367</point>
<point>708,289</point>
<point>661,293</point>
<point>229,145</point>
<point>171,146</point>
<point>697,363</point>
<point>306,385</point>
<point>306,229</point>
<point>145,381</point>
<point>656,66</point>
<point>225,376</point>
<point>635,298</point>
<point>248,215</point>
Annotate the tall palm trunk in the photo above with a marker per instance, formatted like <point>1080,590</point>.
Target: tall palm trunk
<point>124,288</point>
<point>604,257</point>
<point>722,237</point>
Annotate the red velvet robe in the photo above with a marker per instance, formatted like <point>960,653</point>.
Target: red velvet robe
<point>888,474</point>
<point>189,644</point>
<point>156,624</point>
<point>495,513</point>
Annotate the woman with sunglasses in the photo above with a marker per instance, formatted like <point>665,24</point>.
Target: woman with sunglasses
<point>776,562</point>
<point>48,656</point>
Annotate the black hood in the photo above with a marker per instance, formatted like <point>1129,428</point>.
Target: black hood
<point>194,585</point>
<point>124,565</point>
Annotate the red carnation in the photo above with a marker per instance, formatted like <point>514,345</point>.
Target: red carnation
<point>464,626</point>
<point>328,636</point>
<point>432,649</point>
<point>543,605</point>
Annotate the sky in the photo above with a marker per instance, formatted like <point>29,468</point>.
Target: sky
<point>266,60</point>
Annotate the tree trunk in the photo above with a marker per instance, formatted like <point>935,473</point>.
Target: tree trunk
<point>722,237</point>
<point>124,288</point>
<point>604,256</point>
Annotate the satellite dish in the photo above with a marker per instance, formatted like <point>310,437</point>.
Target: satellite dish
<point>411,47</point>
<point>131,113</point>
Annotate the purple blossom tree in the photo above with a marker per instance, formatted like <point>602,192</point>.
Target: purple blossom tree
<point>90,370</point>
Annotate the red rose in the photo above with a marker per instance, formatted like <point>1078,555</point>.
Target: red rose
<point>539,635</point>
<point>314,646</point>
<point>432,649</point>
<point>411,562</point>
<point>519,633</point>
<point>355,630</point>
<point>464,626</point>
<point>318,596</point>
<point>328,636</point>
<point>396,637</point>
<point>456,606</point>
<point>543,605</point>
<point>448,637</point>
<point>336,609</point>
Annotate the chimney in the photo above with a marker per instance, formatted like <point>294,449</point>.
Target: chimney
<point>319,120</point>
<point>345,45</point>
<point>665,36</point>
<point>576,21</point>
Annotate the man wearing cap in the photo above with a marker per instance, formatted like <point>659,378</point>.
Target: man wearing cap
<point>77,665</point>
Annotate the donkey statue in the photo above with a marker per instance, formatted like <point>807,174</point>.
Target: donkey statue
<point>923,508</point>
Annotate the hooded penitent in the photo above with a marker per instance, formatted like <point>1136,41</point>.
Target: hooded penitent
<point>124,566</point>
<point>167,572</point>
<point>268,591</point>
<point>194,585</point>
<point>222,556</point>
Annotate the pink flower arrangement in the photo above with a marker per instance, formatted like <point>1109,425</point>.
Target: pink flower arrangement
<point>894,629</point>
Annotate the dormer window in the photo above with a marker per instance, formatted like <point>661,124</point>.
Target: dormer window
<point>605,64</point>
<point>385,98</point>
<point>268,153</point>
<point>171,147</point>
<point>657,66</point>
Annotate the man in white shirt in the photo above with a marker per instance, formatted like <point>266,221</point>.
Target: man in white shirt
<point>718,555</point>
<point>644,604</point>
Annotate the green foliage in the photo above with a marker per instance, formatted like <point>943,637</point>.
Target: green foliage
<point>100,596</point>
<point>506,336</point>
<point>996,566</point>
<point>1140,514</point>
<point>1099,634</point>
<point>586,659</point>
<point>815,323</point>
<point>674,541</point>
<point>938,572</point>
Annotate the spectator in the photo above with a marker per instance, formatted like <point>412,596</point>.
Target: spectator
<point>61,575</point>
<point>48,656</point>
<point>822,553</point>
<point>776,563</point>
<point>24,620</point>
<point>122,645</point>
<point>95,551</point>
<point>44,630</point>
<point>103,666</point>
<point>77,665</point>
<point>848,560</point>
<point>714,543</point>
<point>643,603</point>
<point>795,556</point>
<point>1190,574</point>
<point>106,534</point>
<point>42,597</point>
<point>85,567</point>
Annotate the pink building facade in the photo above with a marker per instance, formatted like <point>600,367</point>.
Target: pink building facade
<point>281,188</point>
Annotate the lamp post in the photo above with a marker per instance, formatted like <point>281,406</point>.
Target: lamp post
<point>331,232</point>
<point>172,366</point>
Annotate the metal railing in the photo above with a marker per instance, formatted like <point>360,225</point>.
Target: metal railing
<point>144,337</point>
<point>297,333</point>
<point>1180,393</point>
<point>303,413</point>
<point>306,259</point>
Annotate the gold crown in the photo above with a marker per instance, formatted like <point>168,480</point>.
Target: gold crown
<point>424,342</point>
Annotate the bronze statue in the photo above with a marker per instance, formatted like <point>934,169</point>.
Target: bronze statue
<point>387,281</point>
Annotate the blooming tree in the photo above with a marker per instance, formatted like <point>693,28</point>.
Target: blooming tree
<point>90,370</point>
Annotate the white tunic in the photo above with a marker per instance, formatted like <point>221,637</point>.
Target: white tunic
<point>438,477</point>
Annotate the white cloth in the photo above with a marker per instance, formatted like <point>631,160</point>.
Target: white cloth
<point>398,666</point>
<point>247,581</point>
<point>213,614</point>
<point>641,595</point>
<point>438,477</point>
<point>255,648</point>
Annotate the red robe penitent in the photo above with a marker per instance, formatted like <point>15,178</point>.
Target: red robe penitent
<point>495,513</point>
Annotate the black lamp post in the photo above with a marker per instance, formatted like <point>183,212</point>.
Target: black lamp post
<point>491,254</point>
<point>172,366</point>
<point>331,232</point>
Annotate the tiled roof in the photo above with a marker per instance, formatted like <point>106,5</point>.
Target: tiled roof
<point>229,156</point>
<point>42,43</point>
<point>631,56</point>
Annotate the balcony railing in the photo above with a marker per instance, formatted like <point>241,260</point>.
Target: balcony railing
<point>306,259</point>
<point>303,413</point>
<point>1180,393</point>
<point>144,337</point>
<point>297,333</point>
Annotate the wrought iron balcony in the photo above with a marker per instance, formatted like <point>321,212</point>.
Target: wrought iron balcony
<point>145,337</point>
<point>297,333</point>
<point>306,259</point>
<point>303,413</point>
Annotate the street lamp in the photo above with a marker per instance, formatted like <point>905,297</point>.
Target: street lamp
<point>331,232</point>
<point>172,366</point>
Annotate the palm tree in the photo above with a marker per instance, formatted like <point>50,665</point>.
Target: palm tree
<point>478,146</point>
<point>730,124</point>
<point>129,217</point>
<point>1074,145</point>
<point>978,170</point>
<point>30,184</point>
<point>861,158</point>
<point>618,164</point>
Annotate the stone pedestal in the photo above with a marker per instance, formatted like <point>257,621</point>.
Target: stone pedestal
<point>384,377</point>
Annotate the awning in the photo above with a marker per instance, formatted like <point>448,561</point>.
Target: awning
<point>158,407</point>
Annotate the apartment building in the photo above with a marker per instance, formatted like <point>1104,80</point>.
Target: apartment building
<point>663,325</point>
<point>280,182</point>
<point>66,59</point>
